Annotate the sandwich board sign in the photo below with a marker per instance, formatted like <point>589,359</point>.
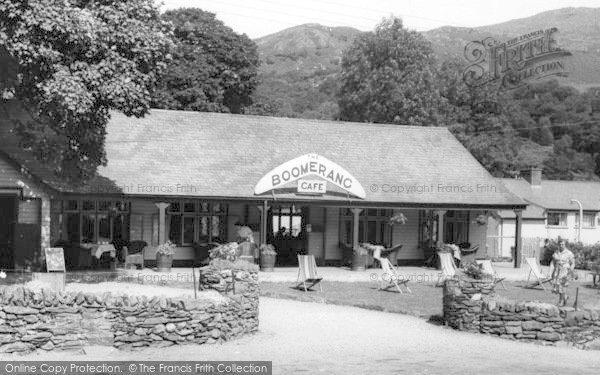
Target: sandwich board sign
<point>55,265</point>
<point>55,259</point>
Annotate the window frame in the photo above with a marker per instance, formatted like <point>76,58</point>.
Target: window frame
<point>116,207</point>
<point>380,216</point>
<point>198,213</point>
<point>560,224</point>
<point>588,214</point>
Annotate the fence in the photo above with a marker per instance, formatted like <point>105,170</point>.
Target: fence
<point>503,247</point>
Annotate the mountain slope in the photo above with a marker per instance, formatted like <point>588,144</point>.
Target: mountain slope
<point>578,32</point>
<point>300,65</point>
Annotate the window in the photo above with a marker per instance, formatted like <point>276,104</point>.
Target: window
<point>456,227</point>
<point>287,222</point>
<point>192,221</point>
<point>589,220</point>
<point>94,221</point>
<point>428,229</point>
<point>557,219</point>
<point>373,226</point>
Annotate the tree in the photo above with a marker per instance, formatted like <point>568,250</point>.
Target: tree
<point>77,60</point>
<point>544,135</point>
<point>214,69</point>
<point>568,164</point>
<point>388,77</point>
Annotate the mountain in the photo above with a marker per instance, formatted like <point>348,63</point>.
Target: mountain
<point>578,33</point>
<point>300,65</point>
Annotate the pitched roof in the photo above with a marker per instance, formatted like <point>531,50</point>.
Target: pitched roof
<point>532,212</point>
<point>556,194</point>
<point>179,153</point>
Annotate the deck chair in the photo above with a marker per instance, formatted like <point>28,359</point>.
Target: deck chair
<point>488,269</point>
<point>447,267</point>
<point>307,273</point>
<point>534,269</point>
<point>393,277</point>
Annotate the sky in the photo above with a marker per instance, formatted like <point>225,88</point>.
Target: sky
<point>257,18</point>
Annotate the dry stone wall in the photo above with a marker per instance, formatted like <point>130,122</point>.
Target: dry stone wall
<point>47,320</point>
<point>466,309</point>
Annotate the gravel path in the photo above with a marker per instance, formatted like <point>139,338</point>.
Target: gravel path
<point>310,338</point>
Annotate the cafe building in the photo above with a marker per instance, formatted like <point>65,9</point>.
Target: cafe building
<point>305,186</point>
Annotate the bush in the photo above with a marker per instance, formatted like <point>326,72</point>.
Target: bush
<point>585,255</point>
<point>474,270</point>
<point>228,251</point>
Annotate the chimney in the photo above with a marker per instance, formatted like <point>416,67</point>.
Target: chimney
<point>533,175</point>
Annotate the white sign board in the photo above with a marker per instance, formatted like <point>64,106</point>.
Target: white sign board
<point>310,165</point>
<point>55,259</point>
<point>312,186</point>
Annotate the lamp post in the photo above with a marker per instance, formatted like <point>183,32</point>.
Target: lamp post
<point>580,218</point>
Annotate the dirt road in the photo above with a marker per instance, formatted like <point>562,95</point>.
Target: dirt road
<point>309,338</point>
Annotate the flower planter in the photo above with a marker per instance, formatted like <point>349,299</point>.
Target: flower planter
<point>164,262</point>
<point>267,262</point>
<point>359,262</point>
<point>247,258</point>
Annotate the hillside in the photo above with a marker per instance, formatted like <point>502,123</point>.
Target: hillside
<point>579,33</point>
<point>299,67</point>
<point>300,64</point>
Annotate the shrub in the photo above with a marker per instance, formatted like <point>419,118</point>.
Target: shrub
<point>473,270</point>
<point>585,255</point>
<point>228,251</point>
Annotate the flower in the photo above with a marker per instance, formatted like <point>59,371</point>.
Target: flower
<point>2,275</point>
<point>245,234</point>
<point>167,248</point>
<point>398,218</point>
<point>481,219</point>
<point>365,248</point>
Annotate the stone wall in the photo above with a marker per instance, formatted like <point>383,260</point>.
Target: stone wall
<point>467,310</point>
<point>43,319</point>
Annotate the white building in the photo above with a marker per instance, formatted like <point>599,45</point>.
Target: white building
<point>552,212</point>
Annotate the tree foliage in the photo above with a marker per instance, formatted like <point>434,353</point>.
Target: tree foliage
<point>388,77</point>
<point>77,60</point>
<point>214,69</point>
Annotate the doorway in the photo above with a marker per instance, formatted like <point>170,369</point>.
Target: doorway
<point>8,218</point>
<point>287,233</point>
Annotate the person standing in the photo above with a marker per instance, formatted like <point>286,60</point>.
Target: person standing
<point>564,266</point>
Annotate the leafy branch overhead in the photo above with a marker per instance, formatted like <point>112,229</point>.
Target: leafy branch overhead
<point>78,60</point>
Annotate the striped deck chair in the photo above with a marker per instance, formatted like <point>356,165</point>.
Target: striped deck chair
<point>488,269</point>
<point>447,267</point>
<point>392,276</point>
<point>307,273</point>
<point>534,269</point>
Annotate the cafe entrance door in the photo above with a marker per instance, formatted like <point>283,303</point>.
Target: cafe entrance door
<point>287,233</point>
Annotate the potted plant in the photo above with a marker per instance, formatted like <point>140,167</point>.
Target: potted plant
<point>164,256</point>
<point>268,255</point>
<point>247,247</point>
<point>359,257</point>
